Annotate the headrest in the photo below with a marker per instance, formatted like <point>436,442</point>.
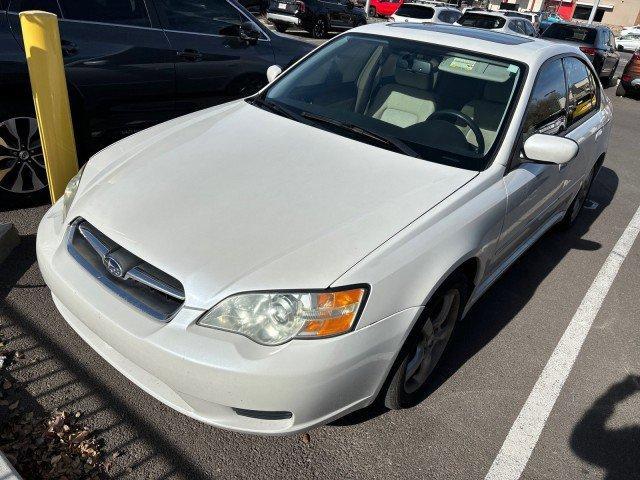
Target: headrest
<point>416,76</point>
<point>497,92</point>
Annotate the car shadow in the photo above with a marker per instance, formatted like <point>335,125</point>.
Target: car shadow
<point>22,259</point>
<point>511,293</point>
<point>615,450</point>
<point>24,201</point>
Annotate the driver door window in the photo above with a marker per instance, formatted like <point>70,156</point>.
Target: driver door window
<point>546,112</point>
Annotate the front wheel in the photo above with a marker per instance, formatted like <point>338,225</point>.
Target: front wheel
<point>576,206</point>
<point>372,12</point>
<point>281,27</point>
<point>319,29</point>
<point>620,91</point>
<point>608,81</point>
<point>426,344</point>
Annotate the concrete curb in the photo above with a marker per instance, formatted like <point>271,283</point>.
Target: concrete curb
<point>7,472</point>
<point>9,239</point>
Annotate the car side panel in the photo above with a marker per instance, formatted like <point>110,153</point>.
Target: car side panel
<point>411,265</point>
<point>14,76</point>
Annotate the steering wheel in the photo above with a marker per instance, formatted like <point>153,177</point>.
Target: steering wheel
<point>466,119</point>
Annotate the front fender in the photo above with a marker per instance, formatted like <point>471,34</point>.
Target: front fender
<point>407,269</point>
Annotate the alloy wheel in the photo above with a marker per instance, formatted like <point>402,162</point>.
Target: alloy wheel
<point>22,168</point>
<point>432,341</point>
<point>319,29</point>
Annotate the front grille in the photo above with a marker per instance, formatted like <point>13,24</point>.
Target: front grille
<point>131,278</point>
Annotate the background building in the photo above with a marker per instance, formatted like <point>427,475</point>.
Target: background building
<point>611,12</point>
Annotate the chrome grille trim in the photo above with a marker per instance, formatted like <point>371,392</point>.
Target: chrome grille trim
<point>139,275</point>
<point>137,282</point>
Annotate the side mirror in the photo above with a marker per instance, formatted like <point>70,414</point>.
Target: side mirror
<point>249,33</point>
<point>550,149</point>
<point>272,72</point>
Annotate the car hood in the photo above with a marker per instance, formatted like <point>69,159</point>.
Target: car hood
<point>236,198</point>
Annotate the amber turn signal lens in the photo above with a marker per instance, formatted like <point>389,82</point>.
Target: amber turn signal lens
<point>334,313</point>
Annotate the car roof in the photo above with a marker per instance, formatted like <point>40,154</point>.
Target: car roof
<point>516,47</point>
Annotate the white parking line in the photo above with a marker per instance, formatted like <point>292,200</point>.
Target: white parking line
<point>523,436</point>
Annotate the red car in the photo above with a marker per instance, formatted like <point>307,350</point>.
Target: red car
<point>630,81</point>
<point>383,8</point>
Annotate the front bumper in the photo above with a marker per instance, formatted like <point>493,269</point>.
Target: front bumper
<point>281,17</point>
<point>218,377</point>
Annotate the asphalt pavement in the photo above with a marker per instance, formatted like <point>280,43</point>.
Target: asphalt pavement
<point>497,356</point>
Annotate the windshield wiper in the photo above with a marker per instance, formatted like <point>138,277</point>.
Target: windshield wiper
<point>394,143</point>
<point>274,107</point>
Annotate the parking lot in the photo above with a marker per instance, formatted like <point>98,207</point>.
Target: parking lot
<point>455,433</point>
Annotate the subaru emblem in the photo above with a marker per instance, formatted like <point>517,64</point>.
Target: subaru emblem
<point>113,267</point>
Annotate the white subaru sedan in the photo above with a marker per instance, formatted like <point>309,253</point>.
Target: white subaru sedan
<point>273,263</point>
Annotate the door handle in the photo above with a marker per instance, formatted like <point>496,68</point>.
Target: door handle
<point>68,48</point>
<point>190,55</point>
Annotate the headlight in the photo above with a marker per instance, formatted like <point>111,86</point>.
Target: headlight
<point>70,192</point>
<point>273,318</point>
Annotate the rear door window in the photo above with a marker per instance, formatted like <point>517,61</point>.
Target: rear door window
<point>583,98</point>
<point>119,12</point>
<point>529,29</point>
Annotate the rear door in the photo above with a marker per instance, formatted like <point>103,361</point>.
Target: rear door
<point>585,122</point>
<point>213,63</point>
<point>338,15</point>
<point>118,62</point>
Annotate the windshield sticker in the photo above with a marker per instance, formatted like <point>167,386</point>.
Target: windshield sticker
<point>463,64</point>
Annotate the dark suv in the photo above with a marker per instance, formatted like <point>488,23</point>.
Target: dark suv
<point>596,41</point>
<point>315,16</point>
<point>130,64</point>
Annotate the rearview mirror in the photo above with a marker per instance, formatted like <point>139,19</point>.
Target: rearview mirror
<point>550,149</point>
<point>272,72</point>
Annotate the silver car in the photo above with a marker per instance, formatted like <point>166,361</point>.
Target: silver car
<point>273,263</point>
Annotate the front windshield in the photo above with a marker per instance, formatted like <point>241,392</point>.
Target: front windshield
<point>429,101</point>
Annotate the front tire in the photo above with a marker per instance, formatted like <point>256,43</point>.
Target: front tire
<point>425,345</point>
<point>373,12</point>
<point>620,91</point>
<point>281,27</point>
<point>608,81</point>
<point>577,205</point>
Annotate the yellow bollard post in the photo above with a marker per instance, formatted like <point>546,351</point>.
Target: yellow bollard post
<point>50,96</point>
